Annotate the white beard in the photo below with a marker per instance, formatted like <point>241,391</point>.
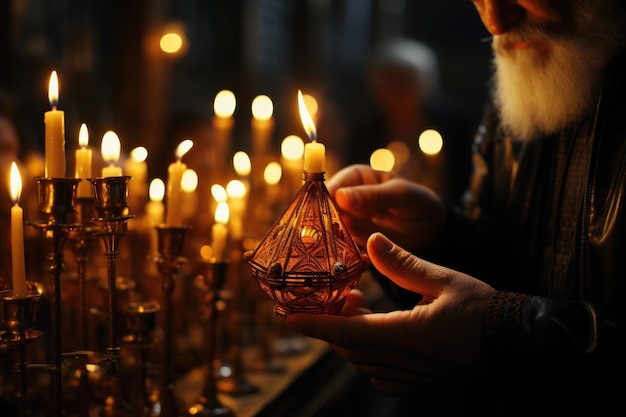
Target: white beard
<point>539,91</point>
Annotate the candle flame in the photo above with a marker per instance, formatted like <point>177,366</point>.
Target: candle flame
<point>382,159</point>
<point>16,183</point>
<point>219,193</point>
<point>430,142</point>
<point>307,122</point>
<point>272,173</point>
<point>222,212</point>
<point>83,136</point>
<point>141,308</point>
<point>157,190</point>
<point>53,90</point>
<point>292,148</point>
<point>139,154</point>
<point>183,148</point>
<point>189,181</point>
<point>262,107</point>
<point>241,162</point>
<point>235,189</point>
<point>110,147</point>
<point>224,104</point>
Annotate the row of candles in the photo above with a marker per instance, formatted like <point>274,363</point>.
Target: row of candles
<point>55,167</point>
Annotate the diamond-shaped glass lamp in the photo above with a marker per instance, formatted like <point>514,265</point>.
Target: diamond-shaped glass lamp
<point>308,262</point>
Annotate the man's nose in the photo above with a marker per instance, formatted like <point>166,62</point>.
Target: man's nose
<point>499,16</point>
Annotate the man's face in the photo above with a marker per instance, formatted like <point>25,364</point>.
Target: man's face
<point>549,55</point>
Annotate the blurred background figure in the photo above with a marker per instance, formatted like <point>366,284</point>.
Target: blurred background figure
<point>406,100</point>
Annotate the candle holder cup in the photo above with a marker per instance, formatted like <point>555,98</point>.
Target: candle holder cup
<point>307,261</point>
<point>56,198</point>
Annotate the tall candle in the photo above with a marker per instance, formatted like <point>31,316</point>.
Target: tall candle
<point>262,124</point>
<point>222,125</point>
<point>175,175</point>
<point>110,149</point>
<point>237,196</point>
<point>137,168</point>
<point>17,235</point>
<point>314,152</point>
<point>291,156</point>
<point>83,163</point>
<point>54,133</point>
<point>155,210</point>
<point>219,231</point>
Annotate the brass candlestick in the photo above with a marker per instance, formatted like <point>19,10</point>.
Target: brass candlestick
<point>56,197</point>
<point>18,317</point>
<point>171,241</point>
<point>208,404</point>
<point>141,324</point>
<point>110,198</point>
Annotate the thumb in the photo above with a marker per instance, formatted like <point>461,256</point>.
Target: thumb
<point>404,268</point>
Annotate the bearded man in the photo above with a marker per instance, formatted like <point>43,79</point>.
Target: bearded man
<point>526,316</point>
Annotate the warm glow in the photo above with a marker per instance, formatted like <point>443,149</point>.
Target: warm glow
<point>110,147</point>
<point>53,90</point>
<point>272,173</point>
<point>307,122</point>
<point>400,151</point>
<point>139,154</point>
<point>157,190</point>
<point>206,252</point>
<point>222,212</point>
<point>224,103</point>
<point>242,164</point>
<point>292,148</point>
<point>311,104</point>
<point>189,181</point>
<point>219,193</point>
<point>171,43</point>
<point>183,148</point>
<point>235,189</point>
<point>262,107</point>
<point>430,142</point>
<point>83,136</point>
<point>382,160</point>
<point>141,308</point>
<point>16,183</point>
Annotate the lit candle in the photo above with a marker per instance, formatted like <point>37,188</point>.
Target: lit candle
<point>224,106</point>
<point>189,196</point>
<point>54,133</point>
<point>237,192</point>
<point>83,163</point>
<point>110,149</point>
<point>155,210</point>
<point>262,123</point>
<point>219,231</point>
<point>17,235</point>
<point>272,174</point>
<point>137,168</point>
<point>291,153</point>
<point>175,175</point>
<point>314,152</point>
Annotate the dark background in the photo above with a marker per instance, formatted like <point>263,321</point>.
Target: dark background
<point>111,78</point>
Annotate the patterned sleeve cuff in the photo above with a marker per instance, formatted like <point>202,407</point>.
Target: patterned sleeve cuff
<point>504,321</point>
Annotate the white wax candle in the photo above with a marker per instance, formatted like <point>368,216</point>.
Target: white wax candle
<point>84,157</point>
<point>137,168</point>
<point>175,172</point>
<point>219,231</point>
<point>17,236</point>
<point>314,157</point>
<point>54,133</point>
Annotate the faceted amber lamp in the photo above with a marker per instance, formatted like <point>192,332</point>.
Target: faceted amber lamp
<point>308,261</point>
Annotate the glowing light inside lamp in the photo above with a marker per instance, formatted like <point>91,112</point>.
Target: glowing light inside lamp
<point>235,189</point>
<point>292,148</point>
<point>430,142</point>
<point>272,173</point>
<point>139,154</point>
<point>262,107</point>
<point>225,103</point>
<point>183,148</point>
<point>189,181</point>
<point>219,193</point>
<point>307,121</point>
<point>16,183</point>
<point>157,190</point>
<point>171,43</point>
<point>83,136</point>
<point>53,89</point>
<point>110,147</point>
<point>241,163</point>
<point>222,213</point>
<point>382,160</point>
